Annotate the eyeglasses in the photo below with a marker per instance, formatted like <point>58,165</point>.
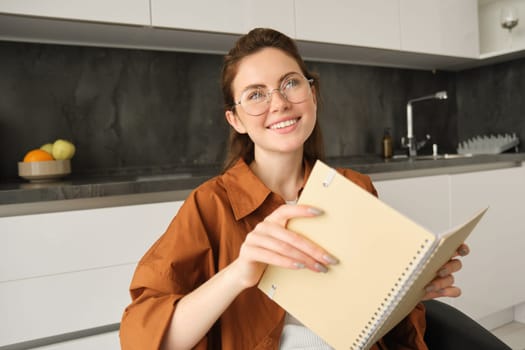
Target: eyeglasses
<point>295,88</point>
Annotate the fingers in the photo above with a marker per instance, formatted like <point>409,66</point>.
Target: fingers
<point>463,250</point>
<point>273,244</point>
<point>453,265</point>
<point>451,292</point>
<point>285,212</point>
<point>443,284</point>
<point>280,254</point>
<point>439,283</point>
<point>270,242</point>
<point>442,287</point>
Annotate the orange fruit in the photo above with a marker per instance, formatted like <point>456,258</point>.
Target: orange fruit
<point>38,155</point>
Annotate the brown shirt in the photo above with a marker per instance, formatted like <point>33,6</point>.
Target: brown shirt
<point>204,237</point>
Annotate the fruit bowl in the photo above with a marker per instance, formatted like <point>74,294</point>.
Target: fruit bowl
<point>44,171</point>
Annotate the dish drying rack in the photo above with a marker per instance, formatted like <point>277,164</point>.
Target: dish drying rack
<point>488,144</point>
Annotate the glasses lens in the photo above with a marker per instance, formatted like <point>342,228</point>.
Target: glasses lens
<point>295,88</point>
<point>254,101</point>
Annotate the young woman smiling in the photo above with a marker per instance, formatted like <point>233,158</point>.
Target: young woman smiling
<point>196,286</point>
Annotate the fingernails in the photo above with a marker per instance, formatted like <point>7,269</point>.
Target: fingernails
<point>321,268</point>
<point>315,211</point>
<point>332,260</point>
<point>463,251</point>
<point>443,272</point>
<point>430,288</point>
<point>298,265</point>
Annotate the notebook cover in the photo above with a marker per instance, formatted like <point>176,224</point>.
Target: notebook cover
<point>379,249</point>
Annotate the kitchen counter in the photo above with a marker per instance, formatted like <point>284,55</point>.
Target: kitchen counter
<point>83,192</point>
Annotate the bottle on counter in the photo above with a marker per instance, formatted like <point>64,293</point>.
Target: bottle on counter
<point>387,144</point>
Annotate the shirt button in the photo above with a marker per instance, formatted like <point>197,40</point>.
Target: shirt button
<point>267,342</point>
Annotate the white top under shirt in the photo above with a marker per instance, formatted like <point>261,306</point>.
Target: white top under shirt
<point>296,336</point>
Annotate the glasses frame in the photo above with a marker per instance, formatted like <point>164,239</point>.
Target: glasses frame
<point>269,94</point>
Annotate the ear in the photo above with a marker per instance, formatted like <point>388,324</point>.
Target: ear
<point>235,122</point>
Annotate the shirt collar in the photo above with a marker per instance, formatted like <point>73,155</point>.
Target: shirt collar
<point>246,191</point>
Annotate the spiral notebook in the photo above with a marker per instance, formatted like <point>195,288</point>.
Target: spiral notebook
<point>386,260</point>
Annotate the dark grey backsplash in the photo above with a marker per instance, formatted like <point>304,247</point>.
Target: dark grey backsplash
<point>122,108</point>
<point>134,110</point>
<point>359,102</point>
<point>492,100</point>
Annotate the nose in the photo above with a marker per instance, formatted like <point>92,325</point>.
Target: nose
<point>282,100</point>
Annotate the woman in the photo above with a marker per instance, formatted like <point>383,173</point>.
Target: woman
<point>196,286</point>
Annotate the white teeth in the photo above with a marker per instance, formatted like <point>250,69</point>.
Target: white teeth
<point>283,124</point>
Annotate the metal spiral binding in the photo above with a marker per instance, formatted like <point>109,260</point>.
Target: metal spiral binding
<point>395,293</point>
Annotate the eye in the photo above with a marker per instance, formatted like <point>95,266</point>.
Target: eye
<point>254,95</point>
<point>291,83</point>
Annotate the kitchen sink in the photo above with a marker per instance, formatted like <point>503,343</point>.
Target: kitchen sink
<point>443,156</point>
<point>435,157</point>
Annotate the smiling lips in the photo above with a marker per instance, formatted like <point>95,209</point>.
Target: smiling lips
<point>283,124</point>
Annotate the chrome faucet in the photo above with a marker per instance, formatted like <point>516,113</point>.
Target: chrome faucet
<point>410,141</point>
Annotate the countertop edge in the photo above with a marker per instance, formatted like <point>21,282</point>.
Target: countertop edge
<point>146,192</point>
<point>458,169</point>
<point>91,203</point>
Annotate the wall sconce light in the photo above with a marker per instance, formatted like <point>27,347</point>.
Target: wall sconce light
<point>509,19</point>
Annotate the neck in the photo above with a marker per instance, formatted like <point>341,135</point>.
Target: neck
<point>283,173</point>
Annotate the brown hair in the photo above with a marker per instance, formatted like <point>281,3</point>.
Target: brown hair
<point>240,145</point>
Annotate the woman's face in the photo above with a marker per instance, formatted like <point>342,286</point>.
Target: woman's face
<point>284,126</point>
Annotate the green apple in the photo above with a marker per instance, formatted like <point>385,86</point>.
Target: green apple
<point>63,149</point>
<point>48,147</point>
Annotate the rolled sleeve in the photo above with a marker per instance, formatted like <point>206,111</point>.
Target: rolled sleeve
<point>180,261</point>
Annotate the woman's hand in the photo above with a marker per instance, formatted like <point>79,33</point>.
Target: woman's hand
<point>443,284</point>
<point>271,243</point>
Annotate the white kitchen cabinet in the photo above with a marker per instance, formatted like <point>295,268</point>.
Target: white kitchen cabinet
<point>70,271</point>
<point>423,199</point>
<point>106,341</point>
<point>56,304</point>
<point>492,276</point>
<point>134,12</point>
<point>54,243</point>
<point>230,16</point>
<point>373,23</point>
<point>344,31</point>
<point>519,313</point>
<point>444,27</point>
